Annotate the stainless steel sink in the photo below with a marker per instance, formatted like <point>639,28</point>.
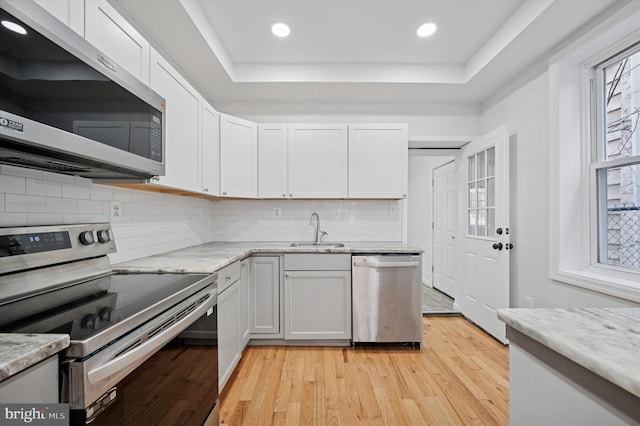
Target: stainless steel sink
<point>314,244</point>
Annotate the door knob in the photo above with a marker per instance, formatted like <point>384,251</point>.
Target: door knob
<point>497,246</point>
<point>499,231</point>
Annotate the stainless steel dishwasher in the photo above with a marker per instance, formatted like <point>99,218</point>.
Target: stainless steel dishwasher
<point>386,299</point>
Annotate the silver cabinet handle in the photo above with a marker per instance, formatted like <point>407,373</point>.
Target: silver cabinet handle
<point>227,278</point>
<point>151,346</point>
<point>386,264</point>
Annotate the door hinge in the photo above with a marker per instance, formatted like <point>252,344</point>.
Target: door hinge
<point>433,268</point>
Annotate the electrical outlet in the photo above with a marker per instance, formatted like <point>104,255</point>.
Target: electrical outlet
<point>116,211</point>
<point>528,302</point>
<point>277,212</point>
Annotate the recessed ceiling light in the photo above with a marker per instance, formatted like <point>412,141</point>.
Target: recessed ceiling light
<point>280,30</point>
<point>425,30</point>
<point>14,27</point>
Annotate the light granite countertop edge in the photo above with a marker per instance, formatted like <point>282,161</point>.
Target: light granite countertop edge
<point>21,351</point>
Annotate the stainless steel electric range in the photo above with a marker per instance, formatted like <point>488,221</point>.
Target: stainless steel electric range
<point>143,346</point>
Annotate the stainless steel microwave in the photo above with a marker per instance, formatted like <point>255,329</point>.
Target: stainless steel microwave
<point>65,107</point>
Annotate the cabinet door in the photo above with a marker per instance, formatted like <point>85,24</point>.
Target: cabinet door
<point>36,385</point>
<point>107,30</point>
<point>228,333</point>
<point>272,161</point>
<point>182,141</point>
<point>70,12</point>
<point>317,160</point>
<point>238,157</point>
<point>318,305</point>
<point>265,295</point>
<point>210,150</point>
<point>245,312</point>
<point>378,157</point>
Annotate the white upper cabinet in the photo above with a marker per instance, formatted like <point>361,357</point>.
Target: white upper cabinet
<point>378,157</point>
<point>182,126</point>
<point>272,161</point>
<point>238,157</point>
<point>210,150</point>
<point>70,12</point>
<point>317,159</point>
<point>108,31</point>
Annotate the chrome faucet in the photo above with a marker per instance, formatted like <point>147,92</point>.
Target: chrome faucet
<point>319,233</point>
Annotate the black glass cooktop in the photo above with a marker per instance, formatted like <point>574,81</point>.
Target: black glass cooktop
<point>88,308</point>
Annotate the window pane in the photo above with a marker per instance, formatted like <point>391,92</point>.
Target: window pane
<point>472,168</point>
<point>482,193</point>
<point>472,196</point>
<point>491,192</point>
<point>619,195</point>
<point>491,162</point>
<point>482,222</point>
<point>472,222</point>
<point>491,223</point>
<point>622,108</point>
<point>481,165</point>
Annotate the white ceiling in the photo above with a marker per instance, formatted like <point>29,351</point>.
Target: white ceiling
<point>356,54</point>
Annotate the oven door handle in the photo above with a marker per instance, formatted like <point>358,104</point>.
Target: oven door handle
<point>140,354</point>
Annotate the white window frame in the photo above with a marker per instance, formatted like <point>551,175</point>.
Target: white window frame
<point>573,199</point>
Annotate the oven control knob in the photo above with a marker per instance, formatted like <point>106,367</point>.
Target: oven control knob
<point>90,321</point>
<point>105,314</point>
<point>86,238</point>
<point>103,236</point>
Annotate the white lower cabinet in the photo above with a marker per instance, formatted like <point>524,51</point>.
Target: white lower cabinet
<point>229,351</point>
<point>264,303</point>
<point>36,385</point>
<point>244,330</point>
<point>317,297</point>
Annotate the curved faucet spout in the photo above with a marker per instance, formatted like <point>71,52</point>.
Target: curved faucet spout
<point>319,233</point>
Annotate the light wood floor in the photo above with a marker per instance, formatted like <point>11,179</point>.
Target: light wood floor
<point>460,377</point>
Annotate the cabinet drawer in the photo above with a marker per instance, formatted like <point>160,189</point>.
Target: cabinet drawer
<point>228,275</point>
<point>317,262</point>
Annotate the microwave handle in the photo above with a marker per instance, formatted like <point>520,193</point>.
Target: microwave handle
<point>149,347</point>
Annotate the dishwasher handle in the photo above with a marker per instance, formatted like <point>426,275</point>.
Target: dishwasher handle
<point>410,264</point>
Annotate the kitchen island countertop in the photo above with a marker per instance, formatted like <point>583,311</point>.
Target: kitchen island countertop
<point>605,341</point>
<point>209,258</point>
<point>20,351</point>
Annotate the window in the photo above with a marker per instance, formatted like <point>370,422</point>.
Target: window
<point>481,189</point>
<point>617,160</point>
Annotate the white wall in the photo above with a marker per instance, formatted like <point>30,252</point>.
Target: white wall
<point>526,113</point>
<point>420,206</point>
<point>151,223</point>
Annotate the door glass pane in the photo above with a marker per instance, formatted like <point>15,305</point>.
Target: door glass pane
<point>472,222</point>
<point>481,165</point>
<point>472,168</point>
<point>491,192</point>
<point>491,223</point>
<point>491,162</point>
<point>482,222</point>
<point>482,193</point>
<point>472,196</point>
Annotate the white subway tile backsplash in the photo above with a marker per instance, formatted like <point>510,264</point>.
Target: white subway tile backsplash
<point>54,177</point>
<point>34,219</point>
<point>90,206</point>
<point>61,205</point>
<point>24,203</point>
<point>43,187</point>
<point>13,184</point>
<point>19,171</point>
<point>81,192</point>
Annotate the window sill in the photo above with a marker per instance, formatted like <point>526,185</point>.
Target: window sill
<point>601,283</point>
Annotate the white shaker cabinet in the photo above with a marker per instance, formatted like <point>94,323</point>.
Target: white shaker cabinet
<point>264,300</point>
<point>238,157</point>
<point>210,150</point>
<point>317,296</point>
<point>110,33</point>
<point>70,12</point>
<point>317,160</point>
<point>272,161</point>
<point>378,159</point>
<point>229,351</point>
<point>182,126</point>
<point>37,384</point>
<point>244,331</point>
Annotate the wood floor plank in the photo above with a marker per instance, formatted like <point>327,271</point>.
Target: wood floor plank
<point>461,377</point>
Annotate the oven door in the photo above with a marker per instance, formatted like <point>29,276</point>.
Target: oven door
<point>162,372</point>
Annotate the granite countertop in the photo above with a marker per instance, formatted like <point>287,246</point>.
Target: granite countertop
<point>210,257</point>
<point>20,351</point>
<point>605,341</point>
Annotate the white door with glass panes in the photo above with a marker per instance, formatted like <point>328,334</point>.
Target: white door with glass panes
<point>445,227</point>
<point>484,229</point>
